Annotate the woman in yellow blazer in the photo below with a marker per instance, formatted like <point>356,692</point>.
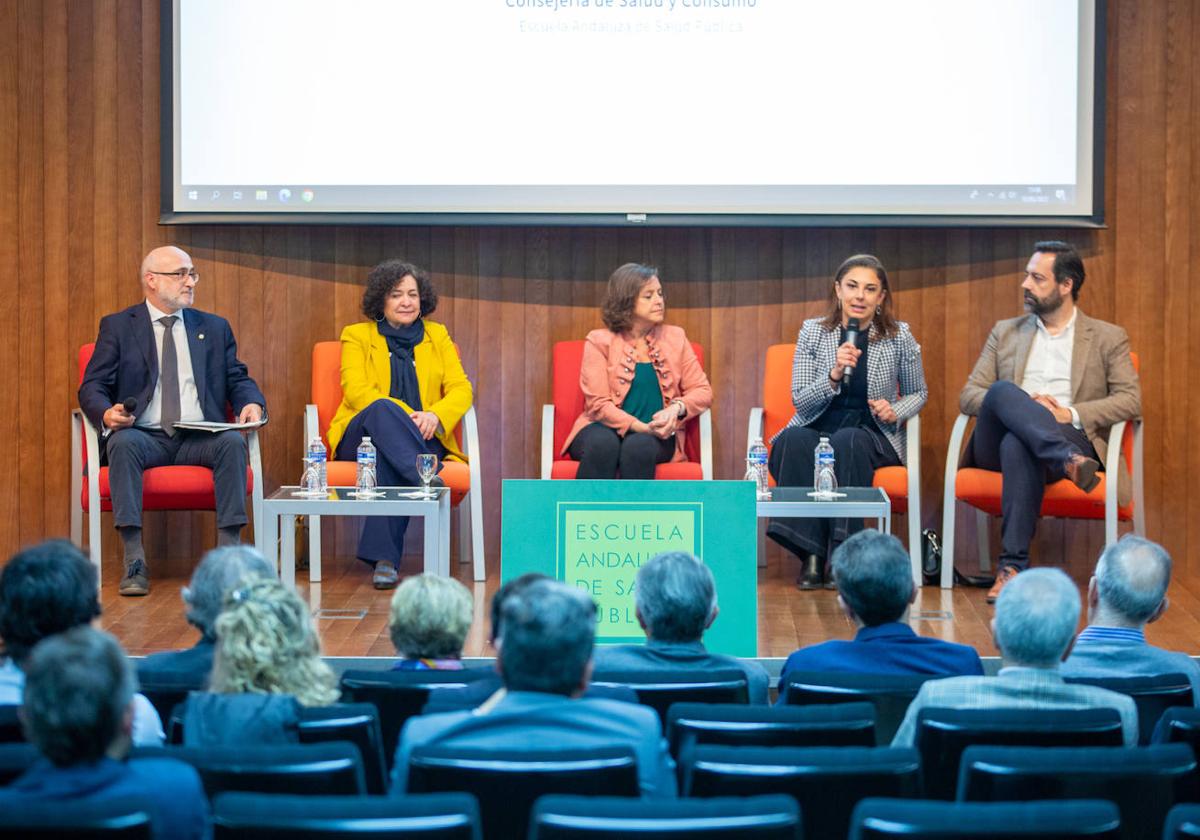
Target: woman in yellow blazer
<point>403,386</point>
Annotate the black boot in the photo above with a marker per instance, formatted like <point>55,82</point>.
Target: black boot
<point>827,575</point>
<point>810,577</point>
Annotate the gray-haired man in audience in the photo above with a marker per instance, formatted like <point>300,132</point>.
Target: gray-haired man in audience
<point>1036,616</point>
<point>1127,592</point>
<point>219,571</point>
<point>676,601</point>
<point>545,661</point>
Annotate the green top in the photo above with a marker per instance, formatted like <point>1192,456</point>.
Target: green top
<point>644,397</point>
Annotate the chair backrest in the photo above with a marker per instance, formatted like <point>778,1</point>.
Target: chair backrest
<point>11,731</point>
<point>1178,725</point>
<point>507,782</point>
<point>890,694</point>
<point>326,386</point>
<point>1183,821</point>
<point>617,818</point>
<point>1153,694</point>
<point>943,734</point>
<point>15,759</point>
<point>568,397</point>
<point>777,389</point>
<point>167,689</point>
<point>320,769</point>
<point>826,782</point>
<point>882,819</point>
<point>399,695</point>
<point>266,816</point>
<point>356,723</point>
<point>659,689</point>
<point>735,725</point>
<point>122,818</point>
<point>1143,782</point>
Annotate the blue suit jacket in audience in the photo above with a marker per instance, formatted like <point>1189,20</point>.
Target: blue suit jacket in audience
<point>891,648</point>
<point>171,790</point>
<point>658,656</point>
<point>1121,652</point>
<point>534,720</point>
<point>195,661</point>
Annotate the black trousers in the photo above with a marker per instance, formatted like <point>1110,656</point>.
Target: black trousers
<point>858,453</point>
<point>397,443</point>
<point>602,453</point>
<point>132,451</point>
<point>1021,439</point>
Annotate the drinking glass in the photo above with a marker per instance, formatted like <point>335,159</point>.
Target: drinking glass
<point>427,467</point>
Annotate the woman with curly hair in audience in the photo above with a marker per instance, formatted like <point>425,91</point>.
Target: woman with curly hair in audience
<point>403,385</point>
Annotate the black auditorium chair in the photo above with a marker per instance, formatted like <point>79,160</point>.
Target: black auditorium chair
<point>11,731</point>
<point>1178,725</point>
<point>507,782</point>
<point>884,819</point>
<point>167,689</point>
<point>333,769</point>
<point>891,694</point>
<point>943,734</point>
<point>399,695</point>
<point>266,816</point>
<point>735,725</point>
<point>1152,694</point>
<point>355,723</point>
<point>827,782</point>
<point>1143,782</point>
<point>15,759</point>
<point>617,818</point>
<point>659,689</point>
<point>114,819</point>
<point>1183,822</point>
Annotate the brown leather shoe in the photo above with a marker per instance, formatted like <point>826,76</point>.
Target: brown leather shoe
<point>1005,574</point>
<point>1082,472</point>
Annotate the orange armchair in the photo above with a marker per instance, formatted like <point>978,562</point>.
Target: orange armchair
<point>981,490</point>
<point>463,479</point>
<point>902,484</point>
<point>557,419</point>
<point>177,487</point>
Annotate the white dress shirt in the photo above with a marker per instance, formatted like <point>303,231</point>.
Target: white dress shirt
<point>189,398</point>
<point>1048,369</point>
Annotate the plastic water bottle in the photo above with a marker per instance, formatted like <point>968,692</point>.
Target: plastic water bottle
<point>756,468</point>
<point>824,477</point>
<point>315,477</point>
<point>365,478</point>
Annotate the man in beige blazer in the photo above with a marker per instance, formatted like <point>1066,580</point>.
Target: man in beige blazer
<point>1046,390</point>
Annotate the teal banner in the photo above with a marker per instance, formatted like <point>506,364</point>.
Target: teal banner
<point>596,534</point>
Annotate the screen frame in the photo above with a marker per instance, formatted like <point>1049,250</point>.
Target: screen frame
<point>168,215</point>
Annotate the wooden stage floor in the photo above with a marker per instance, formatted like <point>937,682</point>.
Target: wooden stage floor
<point>352,616</point>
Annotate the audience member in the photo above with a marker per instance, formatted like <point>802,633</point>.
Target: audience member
<point>219,571</point>
<point>545,661</point>
<point>875,587</point>
<point>675,600</point>
<point>45,590</point>
<point>1127,592</point>
<point>1036,616</point>
<point>78,712</point>
<point>267,663</point>
<point>429,621</point>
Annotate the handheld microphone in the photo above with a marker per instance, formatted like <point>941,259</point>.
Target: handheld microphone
<point>129,404</point>
<point>852,338</point>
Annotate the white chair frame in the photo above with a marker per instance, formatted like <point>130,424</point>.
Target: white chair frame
<point>1111,468</point>
<point>470,526</point>
<point>82,428</point>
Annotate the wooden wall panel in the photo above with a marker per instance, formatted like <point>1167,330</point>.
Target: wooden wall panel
<point>79,188</point>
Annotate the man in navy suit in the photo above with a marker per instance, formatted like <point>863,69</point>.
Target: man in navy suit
<point>875,589</point>
<point>139,351</point>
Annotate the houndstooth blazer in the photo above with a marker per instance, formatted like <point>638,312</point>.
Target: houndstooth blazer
<point>894,373</point>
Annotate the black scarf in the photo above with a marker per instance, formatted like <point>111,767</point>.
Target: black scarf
<point>401,341</point>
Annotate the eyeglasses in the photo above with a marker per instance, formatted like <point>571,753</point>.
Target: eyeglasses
<point>181,273</point>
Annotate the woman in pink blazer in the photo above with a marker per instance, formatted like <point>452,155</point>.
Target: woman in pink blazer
<point>641,383</point>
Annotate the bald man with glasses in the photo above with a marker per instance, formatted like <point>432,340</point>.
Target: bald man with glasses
<point>180,365</point>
